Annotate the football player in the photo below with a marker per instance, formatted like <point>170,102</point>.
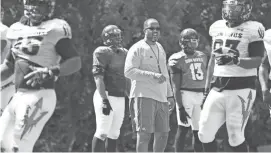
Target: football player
<point>188,72</point>
<point>38,43</point>
<point>112,87</point>
<point>237,51</point>
<point>7,86</point>
<point>264,70</point>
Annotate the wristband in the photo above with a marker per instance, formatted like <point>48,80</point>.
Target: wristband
<point>54,70</point>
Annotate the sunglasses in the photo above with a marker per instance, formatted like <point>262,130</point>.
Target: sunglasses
<point>154,28</point>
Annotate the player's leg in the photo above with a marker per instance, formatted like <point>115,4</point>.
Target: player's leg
<point>161,126</point>
<point>103,124</point>
<point>142,112</point>
<point>183,128</point>
<point>32,111</point>
<point>195,117</point>
<point>211,118</point>
<point>238,109</point>
<point>118,106</point>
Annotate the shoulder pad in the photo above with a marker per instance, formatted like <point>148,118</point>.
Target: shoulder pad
<point>216,26</point>
<point>175,58</point>
<point>102,50</point>
<point>200,53</point>
<point>59,28</point>
<point>3,30</point>
<point>255,29</point>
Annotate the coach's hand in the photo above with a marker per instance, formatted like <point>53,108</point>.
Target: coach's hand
<point>106,107</point>
<point>183,115</point>
<point>171,102</point>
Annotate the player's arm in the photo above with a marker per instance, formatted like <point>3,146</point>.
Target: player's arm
<point>176,80</point>
<point>263,74</point>
<point>256,51</point>
<point>132,67</point>
<point>71,61</point>
<point>98,70</point>
<point>7,67</point>
<point>210,71</point>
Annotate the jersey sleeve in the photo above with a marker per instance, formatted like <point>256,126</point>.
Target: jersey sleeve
<point>174,64</point>
<point>257,31</point>
<point>61,30</point>
<point>100,61</point>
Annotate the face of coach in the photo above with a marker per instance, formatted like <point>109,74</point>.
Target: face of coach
<point>151,30</point>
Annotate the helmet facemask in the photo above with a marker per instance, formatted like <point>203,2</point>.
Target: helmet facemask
<point>112,36</point>
<point>38,10</point>
<point>189,40</point>
<point>236,11</point>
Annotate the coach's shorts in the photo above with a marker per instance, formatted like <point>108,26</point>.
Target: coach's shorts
<point>149,115</point>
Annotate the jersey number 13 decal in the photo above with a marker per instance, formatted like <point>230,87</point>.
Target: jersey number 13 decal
<point>196,71</point>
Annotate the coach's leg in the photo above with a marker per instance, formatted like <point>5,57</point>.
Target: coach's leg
<point>118,105</point>
<point>103,124</point>
<point>238,110</point>
<point>211,119</point>
<point>161,126</point>
<point>33,110</point>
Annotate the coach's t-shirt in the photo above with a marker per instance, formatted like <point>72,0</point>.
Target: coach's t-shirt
<point>143,61</point>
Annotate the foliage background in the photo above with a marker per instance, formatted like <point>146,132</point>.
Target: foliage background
<point>73,124</point>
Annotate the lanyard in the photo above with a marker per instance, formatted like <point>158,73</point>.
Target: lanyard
<point>157,57</point>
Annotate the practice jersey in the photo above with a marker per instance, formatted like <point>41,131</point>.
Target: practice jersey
<point>237,38</point>
<point>37,43</point>
<point>36,46</point>
<point>191,67</point>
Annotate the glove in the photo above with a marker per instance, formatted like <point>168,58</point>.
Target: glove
<point>39,75</point>
<point>229,58</point>
<point>205,94</point>
<point>183,115</point>
<point>106,107</point>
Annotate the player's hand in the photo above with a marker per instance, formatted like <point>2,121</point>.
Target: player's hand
<point>38,76</point>
<point>171,102</point>
<point>106,107</point>
<point>183,115</point>
<point>160,78</point>
<point>226,56</point>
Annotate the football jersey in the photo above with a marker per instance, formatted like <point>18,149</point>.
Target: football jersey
<point>192,67</point>
<point>37,43</point>
<point>236,38</point>
<point>4,29</point>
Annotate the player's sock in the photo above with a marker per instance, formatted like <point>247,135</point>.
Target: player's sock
<point>180,138</point>
<point>111,145</point>
<point>197,143</point>
<point>210,147</point>
<point>241,148</point>
<point>97,145</point>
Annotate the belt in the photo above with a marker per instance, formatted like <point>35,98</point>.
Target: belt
<point>7,85</point>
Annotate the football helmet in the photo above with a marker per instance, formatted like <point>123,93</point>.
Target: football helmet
<point>236,11</point>
<point>111,36</point>
<point>189,40</point>
<point>39,10</point>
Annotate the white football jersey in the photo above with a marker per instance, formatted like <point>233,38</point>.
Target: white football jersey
<point>4,29</point>
<point>267,44</point>
<point>236,38</point>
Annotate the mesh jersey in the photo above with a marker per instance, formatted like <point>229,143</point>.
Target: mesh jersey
<point>37,43</point>
<point>236,38</point>
<point>193,68</point>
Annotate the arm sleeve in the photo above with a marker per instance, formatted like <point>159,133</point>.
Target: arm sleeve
<point>100,62</point>
<point>256,49</point>
<point>66,49</point>
<point>257,33</point>
<point>132,66</point>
